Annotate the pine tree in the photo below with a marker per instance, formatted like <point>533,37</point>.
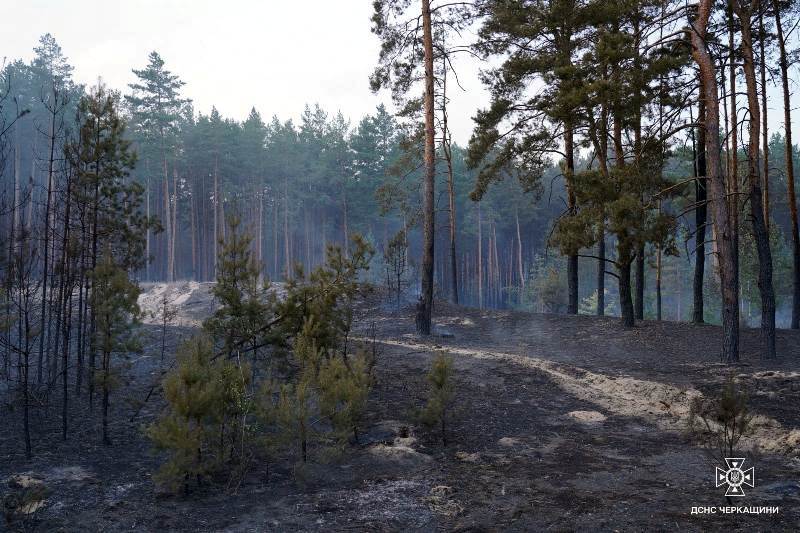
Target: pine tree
<point>206,398</point>
<point>723,220</point>
<point>116,312</point>
<point>537,39</point>
<point>157,111</point>
<point>245,304</point>
<point>440,394</point>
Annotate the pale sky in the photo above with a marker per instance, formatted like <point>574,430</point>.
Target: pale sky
<point>234,54</point>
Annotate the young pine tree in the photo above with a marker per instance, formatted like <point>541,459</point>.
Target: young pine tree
<point>440,394</point>
<point>246,306</point>
<point>206,400</point>
<point>114,304</point>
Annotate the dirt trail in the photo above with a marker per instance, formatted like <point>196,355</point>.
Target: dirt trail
<point>665,405</point>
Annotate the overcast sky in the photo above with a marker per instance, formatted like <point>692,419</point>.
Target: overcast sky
<point>233,54</point>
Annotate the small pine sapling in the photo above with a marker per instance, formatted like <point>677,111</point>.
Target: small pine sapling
<point>440,394</point>
<point>720,423</point>
<point>293,414</point>
<point>206,417</point>
<point>344,386</point>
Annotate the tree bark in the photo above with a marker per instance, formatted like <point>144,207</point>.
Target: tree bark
<point>760,232</point>
<point>480,259</point>
<point>625,297</point>
<point>425,304</point>
<point>601,273</point>
<point>572,259</point>
<point>700,213</point>
<point>716,184</point>
<point>519,252</point>
<point>168,221</point>
<point>787,120</point>
<point>46,260</point>
<point>764,130</point>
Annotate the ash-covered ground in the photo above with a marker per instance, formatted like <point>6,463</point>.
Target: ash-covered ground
<point>561,423</point>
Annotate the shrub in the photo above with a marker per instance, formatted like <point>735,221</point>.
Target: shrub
<point>440,394</point>
<point>206,414</point>
<point>720,423</point>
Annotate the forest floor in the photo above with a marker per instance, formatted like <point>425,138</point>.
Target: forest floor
<point>561,423</point>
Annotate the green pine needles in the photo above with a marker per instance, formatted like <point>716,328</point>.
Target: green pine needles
<point>268,376</point>
<point>441,391</point>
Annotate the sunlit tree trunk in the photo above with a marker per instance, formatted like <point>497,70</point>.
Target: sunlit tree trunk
<point>716,184</point>
<point>425,304</point>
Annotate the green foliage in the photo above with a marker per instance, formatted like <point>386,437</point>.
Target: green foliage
<point>245,303</point>
<point>102,159</point>
<point>156,106</point>
<point>330,386</point>
<point>320,304</point>
<point>588,305</point>
<point>114,301</point>
<point>547,290</point>
<point>211,412</point>
<point>344,386</point>
<point>720,423</point>
<point>440,394</point>
<point>207,401</point>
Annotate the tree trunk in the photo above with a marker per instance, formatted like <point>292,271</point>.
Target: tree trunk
<point>787,119</point>
<point>764,130</point>
<point>451,192</point>
<point>733,165</point>
<point>168,221</point>
<point>519,252</point>
<point>601,273</point>
<point>286,248</point>
<point>106,377</point>
<point>639,305</point>
<point>700,213</point>
<point>480,259</point>
<point>719,204</point>
<point>760,232</point>
<point>173,252</point>
<point>572,259</point>
<point>216,216</point>
<point>625,296</point>
<point>425,304</point>
<point>46,261</point>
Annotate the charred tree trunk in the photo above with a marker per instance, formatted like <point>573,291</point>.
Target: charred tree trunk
<point>625,297</point>
<point>787,119</point>
<point>764,130</point>
<point>760,232</point>
<point>601,273</point>
<point>572,259</point>
<point>700,213</point>
<point>425,304</point>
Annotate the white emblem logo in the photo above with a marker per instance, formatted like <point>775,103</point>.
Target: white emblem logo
<point>734,477</point>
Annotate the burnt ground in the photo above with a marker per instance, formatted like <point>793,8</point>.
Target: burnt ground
<point>560,423</point>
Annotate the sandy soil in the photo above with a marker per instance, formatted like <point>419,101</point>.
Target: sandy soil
<point>561,423</point>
